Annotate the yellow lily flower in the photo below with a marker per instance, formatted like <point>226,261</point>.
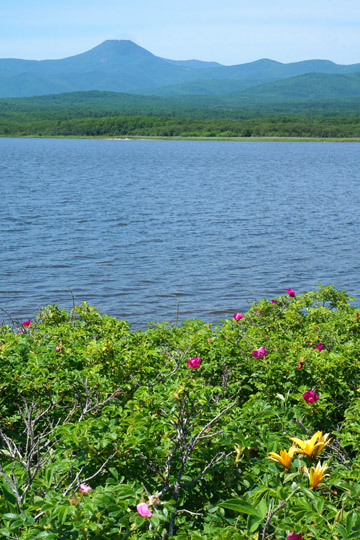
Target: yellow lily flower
<point>284,458</point>
<point>312,447</point>
<point>316,475</point>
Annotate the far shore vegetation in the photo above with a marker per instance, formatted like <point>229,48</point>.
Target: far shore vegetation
<point>164,127</point>
<point>111,115</point>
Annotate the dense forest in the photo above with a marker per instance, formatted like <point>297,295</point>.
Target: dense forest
<point>110,114</point>
<point>142,126</point>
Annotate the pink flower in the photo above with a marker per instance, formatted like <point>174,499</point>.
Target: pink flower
<point>273,301</point>
<point>58,349</point>
<point>85,489</point>
<point>209,339</point>
<point>262,351</point>
<point>20,331</point>
<point>143,510</point>
<point>310,396</point>
<point>194,362</point>
<point>26,323</point>
<point>291,293</point>
<point>300,366</point>
<point>294,536</point>
<point>238,316</point>
<point>320,347</point>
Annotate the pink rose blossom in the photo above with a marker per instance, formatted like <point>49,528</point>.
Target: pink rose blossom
<point>273,301</point>
<point>58,349</point>
<point>26,323</point>
<point>291,293</point>
<point>300,366</point>
<point>294,536</point>
<point>310,396</point>
<point>143,510</point>
<point>320,347</point>
<point>238,316</point>
<point>258,353</point>
<point>85,489</point>
<point>194,362</point>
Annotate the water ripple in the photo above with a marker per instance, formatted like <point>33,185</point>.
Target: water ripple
<point>133,228</point>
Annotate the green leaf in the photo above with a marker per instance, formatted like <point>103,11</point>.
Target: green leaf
<point>49,477</point>
<point>114,472</point>
<point>290,477</point>
<point>9,496</point>
<point>263,507</point>
<point>62,515</point>
<point>341,529</point>
<point>10,515</point>
<point>241,506</point>
<point>253,523</point>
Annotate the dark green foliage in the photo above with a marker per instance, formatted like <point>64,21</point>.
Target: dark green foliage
<point>102,114</point>
<point>142,126</point>
<point>83,399</point>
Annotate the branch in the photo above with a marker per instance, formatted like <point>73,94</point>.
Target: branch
<point>207,426</point>
<point>271,515</point>
<point>216,459</point>
<point>76,482</point>
<point>188,512</point>
<point>160,377</point>
<point>100,469</point>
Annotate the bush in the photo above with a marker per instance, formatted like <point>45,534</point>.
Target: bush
<point>86,401</point>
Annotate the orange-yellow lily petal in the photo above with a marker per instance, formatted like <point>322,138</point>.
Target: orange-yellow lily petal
<point>322,442</point>
<point>316,475</point>
<point>284,458</point>
<point>312,447</point>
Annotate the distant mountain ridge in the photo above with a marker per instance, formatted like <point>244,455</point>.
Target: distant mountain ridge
<point>124,66</point>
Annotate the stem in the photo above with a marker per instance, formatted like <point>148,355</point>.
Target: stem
<point>272,513</point>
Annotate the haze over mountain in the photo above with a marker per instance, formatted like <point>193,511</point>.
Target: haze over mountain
<point>123,66</point>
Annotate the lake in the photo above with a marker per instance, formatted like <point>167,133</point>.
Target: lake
<point>133,226</point>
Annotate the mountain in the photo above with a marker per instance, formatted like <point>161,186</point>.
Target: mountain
<point>124,66</point>
<point>193,64</point>
<point>203,87</point>
<point>120,66</point>
<point>310,87</point>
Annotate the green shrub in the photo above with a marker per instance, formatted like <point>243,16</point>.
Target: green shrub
<point>84,400</point>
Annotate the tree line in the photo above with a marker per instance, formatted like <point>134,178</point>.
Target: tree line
<point>120,126</point>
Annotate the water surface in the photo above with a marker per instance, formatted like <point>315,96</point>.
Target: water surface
<point>131,226</point>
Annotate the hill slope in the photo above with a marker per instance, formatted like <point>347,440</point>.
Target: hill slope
<point>305,88</point>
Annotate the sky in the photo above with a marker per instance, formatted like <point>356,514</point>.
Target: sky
<point>225,31</point>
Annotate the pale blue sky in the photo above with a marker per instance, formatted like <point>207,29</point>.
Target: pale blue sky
<point>227,31</point>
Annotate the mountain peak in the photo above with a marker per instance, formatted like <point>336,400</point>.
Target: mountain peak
<point>119,47</point>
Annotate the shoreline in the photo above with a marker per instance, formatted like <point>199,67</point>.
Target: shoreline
<point>161,138</point>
